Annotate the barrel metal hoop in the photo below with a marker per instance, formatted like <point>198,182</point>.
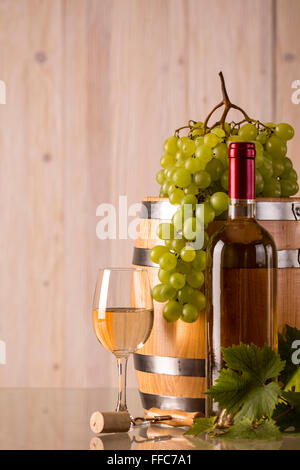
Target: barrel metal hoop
<point>264,210</point>
<point>286,258</point>
<point>164,402</point>
<point>182,366</point>
<point>296,210</point>
<point>141,257</point>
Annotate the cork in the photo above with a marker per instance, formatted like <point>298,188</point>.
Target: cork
<point>110,421</point>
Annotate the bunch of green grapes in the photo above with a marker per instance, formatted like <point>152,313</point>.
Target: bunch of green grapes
<point>195,170</point>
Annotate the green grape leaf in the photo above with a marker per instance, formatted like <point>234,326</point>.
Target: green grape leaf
<point>293,398</point>
<point>201,425</point>
<point>244,430</point>
<point>288,415</point>
<point>261,363</point>
<point>247,389</point>
<point>294,383</point>
<point>285,350</point>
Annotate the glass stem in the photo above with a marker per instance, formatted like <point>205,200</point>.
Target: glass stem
<point>122,372</point>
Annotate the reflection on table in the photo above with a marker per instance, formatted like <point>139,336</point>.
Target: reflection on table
<point>59,419</point>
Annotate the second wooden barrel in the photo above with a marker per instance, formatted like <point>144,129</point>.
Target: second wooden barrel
<point>170,367</point>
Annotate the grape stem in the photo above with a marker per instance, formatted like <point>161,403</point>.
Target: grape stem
<point>227,107</point>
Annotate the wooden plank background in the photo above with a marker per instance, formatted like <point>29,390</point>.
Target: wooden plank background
<point>93,89</point>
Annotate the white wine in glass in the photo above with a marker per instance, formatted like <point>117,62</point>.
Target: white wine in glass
<point>122,316</point>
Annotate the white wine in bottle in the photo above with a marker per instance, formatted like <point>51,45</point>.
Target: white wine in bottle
<point>241,271</point>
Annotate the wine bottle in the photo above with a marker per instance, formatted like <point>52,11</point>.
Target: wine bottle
<point>241,271</point>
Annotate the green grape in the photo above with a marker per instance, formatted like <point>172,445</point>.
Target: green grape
<point>170,145</point>
<point>290,175</point>
<point>156,293</point>
<point>276,147</point>
<point>215,168</point>
<point>189,199</point>
<point>202,179</point>
<point>221,153</point>
<point>262,137</point>
<point>167,160</point>
<point>248,132</point>
<point>176,196</point>
<point>171,188</point>
<point>267,168</point>
<point>259,182</point>
<point>183,267</point>
<point>268,156</point>
<point>188,147</point>
<point>259,161</point>
<point>177,220</point>
<point>211,140</point>
<point>272,188</point>
<point>185,294</point>
<point>288,188</point>
<point>167,261</point>
<point>177,244</point>
<point>191,189</point>
<point>189,313</point>
<point>225,180</point>
<point>188,254</point>
<point>193,164</point>
<point>284,131</point>
<point>156,252</point>
<point>165,187</point>
<point>160,176</point>
<point>169,172</point>
<point>195,279</point>
<point>234,138</point>
<point>181,141</point>
<point>227,128</point>
<point>192,228</point>
<point>288,165</point>
<point>219,132</point>
<point>296,187</point>
<point>199,141</point>
<point>271,125</point>
<point>199,263</point>
<point>259,149</point>
<point>278,167</point>
<point>172,311</point>
<point>164,276</point>
<point>204,153</point>
<point>182,177</point>
<point>219,201</point>
<point>205,213</point>
<point>177,280</point>
<point>199,300</point>
<point>167,292</point>
<point>165,231</point>
<point>197,132</point>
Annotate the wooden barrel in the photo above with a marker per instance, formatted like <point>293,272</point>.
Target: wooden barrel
<point>170,367</point>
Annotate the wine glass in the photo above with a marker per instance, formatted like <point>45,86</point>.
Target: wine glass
<point>122,316</point>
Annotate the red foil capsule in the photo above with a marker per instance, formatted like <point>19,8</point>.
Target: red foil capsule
<point>241,170</point>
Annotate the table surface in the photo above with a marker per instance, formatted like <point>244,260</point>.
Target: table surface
<point>59,419</point>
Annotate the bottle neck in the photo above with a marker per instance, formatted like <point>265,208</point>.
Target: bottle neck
<point>241,208</point>
<point>241,187</point>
